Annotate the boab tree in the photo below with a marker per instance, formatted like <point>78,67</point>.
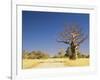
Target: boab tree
<point>73,36</point>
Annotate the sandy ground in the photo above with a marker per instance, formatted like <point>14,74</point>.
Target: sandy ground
<point>57,62</point>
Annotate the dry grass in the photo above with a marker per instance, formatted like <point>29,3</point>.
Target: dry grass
<point>29,63</point>
<point>54,62</point>
<point>77,62</point>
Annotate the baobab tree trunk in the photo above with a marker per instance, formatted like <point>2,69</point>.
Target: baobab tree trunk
<point>73,55</point>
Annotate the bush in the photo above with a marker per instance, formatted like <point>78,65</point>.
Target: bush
<point>83,56</point>
<point>35,55</point>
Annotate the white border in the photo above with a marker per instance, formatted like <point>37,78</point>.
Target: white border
<point>18,73</point>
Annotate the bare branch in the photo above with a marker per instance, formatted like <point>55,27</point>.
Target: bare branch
<point>64,42</point>
<point>82,40</point>
<point>74,33</point>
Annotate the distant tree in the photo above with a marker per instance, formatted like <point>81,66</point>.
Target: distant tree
<point>72,36</point>
<point>35,55</point>
<point>88,56</point>
<point>38,55</point>
<point>25,54</point>
<point>60,55</point>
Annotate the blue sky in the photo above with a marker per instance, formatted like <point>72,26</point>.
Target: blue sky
<point>40,30</point>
